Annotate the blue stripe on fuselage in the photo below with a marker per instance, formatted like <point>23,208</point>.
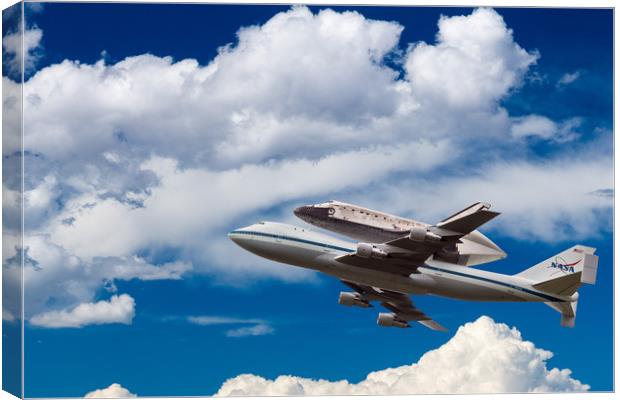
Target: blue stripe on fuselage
<point>480,278</point>
<point>510,285</point>
<point>294,239</point>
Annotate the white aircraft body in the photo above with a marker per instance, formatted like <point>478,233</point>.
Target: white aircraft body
<point>368,225</point>
<point>389,271</point>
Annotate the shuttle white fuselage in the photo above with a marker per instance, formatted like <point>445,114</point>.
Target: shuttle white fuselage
<point>373,226</point>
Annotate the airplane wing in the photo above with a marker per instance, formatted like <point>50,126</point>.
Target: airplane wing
<point>405,254</point>
<point>402,308</point>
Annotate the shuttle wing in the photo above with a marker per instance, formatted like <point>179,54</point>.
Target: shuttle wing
<point>468,219</point>
<point>405,254</point>
<point>402,308</point>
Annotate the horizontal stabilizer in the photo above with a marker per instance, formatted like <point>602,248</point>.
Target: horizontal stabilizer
<point>469,219</point>
<point>564,285</point>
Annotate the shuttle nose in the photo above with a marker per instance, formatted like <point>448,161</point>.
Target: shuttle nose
<point>307,213</point>
<point>300,211</point>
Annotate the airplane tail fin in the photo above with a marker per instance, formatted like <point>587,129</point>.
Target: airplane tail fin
<point>562,274</point>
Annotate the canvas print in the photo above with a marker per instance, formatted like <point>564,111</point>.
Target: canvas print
<point>267,200</point>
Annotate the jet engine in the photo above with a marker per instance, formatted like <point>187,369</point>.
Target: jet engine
<point>419,234</point>
<point>352,299</point>
<point>367,250</point>
<point>390,320</point>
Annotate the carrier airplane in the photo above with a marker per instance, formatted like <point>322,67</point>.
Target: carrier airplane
<point>417,259</point>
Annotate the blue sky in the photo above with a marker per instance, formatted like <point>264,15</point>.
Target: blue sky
<point>138,167</point>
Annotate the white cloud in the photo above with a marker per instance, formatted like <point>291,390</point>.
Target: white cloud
<point>7,315</point>
<point>114,391</point>
<point>322,76</point>
<point>544,128</point>
<point>258,327</point>
<point>546,201</point>
<point>184,204</point>
<point>568,78</point>
<point>482,357</point>
<point>473,65</point>
<point>300,72</point>
<point>118,310</point>
<point>12,46</point>
<point>127,268</point>
<point>52,273</point>
<point>256,330</point>
<point>206,320</point>
<point>11,118</point>
<point>533,125</point>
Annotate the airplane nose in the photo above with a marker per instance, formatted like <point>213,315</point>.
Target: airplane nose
<point>235,236</point>
<point>241,237</point>
<point>241,234</point>
<point>247,239</point>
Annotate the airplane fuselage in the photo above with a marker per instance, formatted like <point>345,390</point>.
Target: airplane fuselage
<point>300,247</point>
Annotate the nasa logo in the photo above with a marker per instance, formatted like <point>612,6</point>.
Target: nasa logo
<point>560,264</point>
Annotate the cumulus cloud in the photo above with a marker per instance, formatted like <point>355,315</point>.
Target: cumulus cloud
<point>118,310</point>
<point>114,391</point>
<point>482,357</point>
<point>474,63</point>
<point>258,327</point>
<point>309,73</point>
<point>545,128</point>
<point>322,76</point>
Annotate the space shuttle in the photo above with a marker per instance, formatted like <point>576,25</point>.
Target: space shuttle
<point>366,225</point>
